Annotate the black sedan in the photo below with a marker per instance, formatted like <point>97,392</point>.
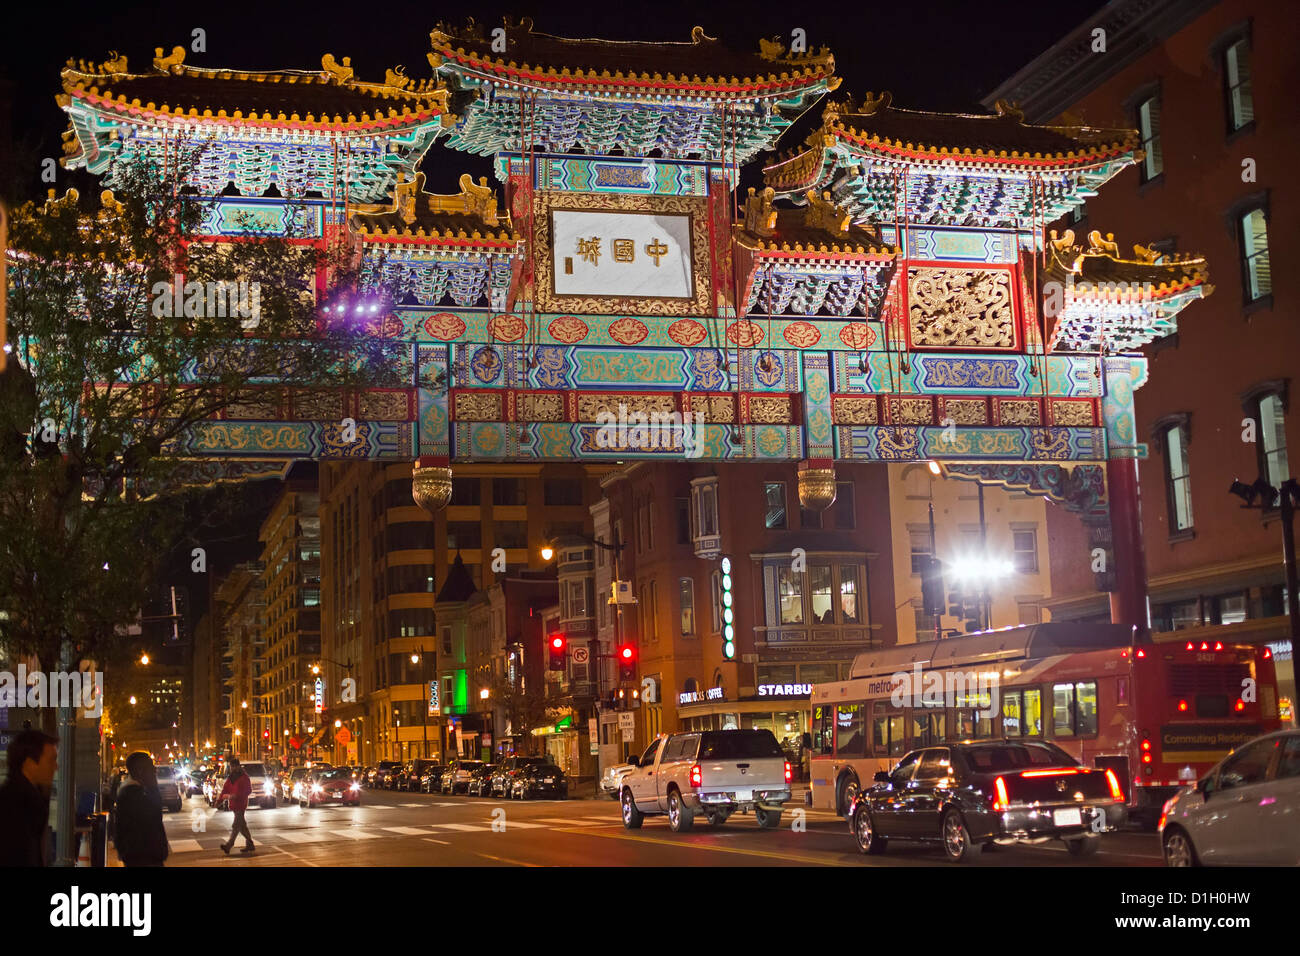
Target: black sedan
<point>431,778</point>
<point>539,780</point>
<point>502,779</point>
<point>980,793</point>
<point>480,781</point>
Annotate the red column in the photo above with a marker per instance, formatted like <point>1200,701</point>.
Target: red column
<point>1128,602</point>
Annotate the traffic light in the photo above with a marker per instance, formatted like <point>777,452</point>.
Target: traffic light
<point>555,647</point>
<point>626,663</point>
<point>932,588</point>
<point>965,607</point>
<point>728,614</point>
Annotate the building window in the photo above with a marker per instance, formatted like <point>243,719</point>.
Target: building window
<point>683,520</point>
<point>464,534</point>
<point>924,624</point>
<point>819,589</point>
<point>465,491</point>
<point>790,595</point>
<point>1256,269</point>
<point>1024,545</point>
<point>1236,78</point>
<point>1178,484</point>
<point>1148,121</point>
<point>842,510</point>
<point>562,491</point>
<point>510,534</point>
<point>774,495</point>
<point>920,543</point>
<point>850,610</point>
<point>810,519</point>
<point>686,599</point>
<point>508,491</point>
<point>1270,422</point>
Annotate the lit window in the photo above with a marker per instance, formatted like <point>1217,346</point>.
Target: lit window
<point>1271,424</point>
<point>1236,76</point>
<point>715,590</point>
<point>849,611</point>
<point>1257,270</point>
<point>820,591</point>
<point>1177,478</point>
<point>790,595</point>
<point>920,543</point>
<point>686,598</point>
<point>1025,551</point>
<point>1149,124</point>
<point>774,495</point>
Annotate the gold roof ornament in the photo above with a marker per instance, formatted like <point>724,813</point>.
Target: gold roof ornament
<point>473,200</point>
<point>822,213</point>
<point>1009,109</point>
<point>397,78</point>
<point>340,73</point>
<point>114,64</point>
<point>406,191</point>
<point>772,49</point>
<point>1107,246</point>
<point>1146,254</point>
<point>760,217</point>
<point>169,64</point>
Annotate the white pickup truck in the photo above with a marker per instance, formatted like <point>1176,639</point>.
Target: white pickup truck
<point>716,772</point>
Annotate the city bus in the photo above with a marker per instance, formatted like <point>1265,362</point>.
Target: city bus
<point>1159,715</point>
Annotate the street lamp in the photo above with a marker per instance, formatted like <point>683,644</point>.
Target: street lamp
<point>144,659</point>
<point>548,552</point>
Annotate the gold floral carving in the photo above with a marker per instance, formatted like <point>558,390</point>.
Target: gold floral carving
<point>696,208</point>
<point>385,406</point>
<point>961,308</point>
<point>1019,412</point>
<point>591,407</point>
<point>910,411</point>
<point>769,409</point>
<point>540,408</point>
<point>714,409</point>
<point>821,213</point>
<point>966,411</point>
<point>854,410</point>
<point>1072,413</point>
<point>477,407</point>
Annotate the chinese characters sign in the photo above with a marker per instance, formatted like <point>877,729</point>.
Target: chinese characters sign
<point>609,253</point>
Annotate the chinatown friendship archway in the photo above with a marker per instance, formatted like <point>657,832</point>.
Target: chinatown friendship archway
<point>891,295</point>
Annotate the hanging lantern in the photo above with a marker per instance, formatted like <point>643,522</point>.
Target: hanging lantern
<point>431,484</point>
<point>816,485</point>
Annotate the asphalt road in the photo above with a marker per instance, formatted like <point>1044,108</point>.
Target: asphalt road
<point>411,829</point>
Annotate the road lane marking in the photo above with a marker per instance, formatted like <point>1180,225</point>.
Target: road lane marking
<point>303,860</point>
<point>462,827</point>
<point>432,840</point>
<point>407,831</point>
<point>791,857</point>
<point>502,859</point>
<point>411,804</point>
<point>521,825</point>
<point>570,822</point>
<point>184,846</point>
<point>308,837</point>
<point>604,819</point>
<point>356,834</point>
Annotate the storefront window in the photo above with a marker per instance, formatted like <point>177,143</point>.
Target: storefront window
<point>820,590</point>
<point>770,674</point>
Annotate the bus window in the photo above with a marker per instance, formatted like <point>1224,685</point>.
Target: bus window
<point>1074,709</point>
<point>1033,713</point>
<point>850,737</point>
<point>896,741</point>
<point>822,730</point>
<point>879,729</point>
<point>1012,716</point>
<point>927,728</point>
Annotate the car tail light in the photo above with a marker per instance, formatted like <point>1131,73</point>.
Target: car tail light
<point>1141,653</point>
<point>1115,792</point>
<point>1000,801</point>
<point>695,775</point>
<point>1268,653</point>
<point>787,771</point>
<point>1146,750</point>
<point>1191,646</point>
<point>1182,705</point>
<point>1241,705</point>
<point>1048,773</point>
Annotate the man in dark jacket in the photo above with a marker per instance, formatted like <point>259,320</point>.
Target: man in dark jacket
<point>141,839</point>
<point>25,799</point>
<point>237,787</point>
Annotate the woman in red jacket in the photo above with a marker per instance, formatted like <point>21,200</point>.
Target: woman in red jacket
<point>237,787</point>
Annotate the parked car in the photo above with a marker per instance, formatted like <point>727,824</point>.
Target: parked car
<point>384,771</point>
<point>170,787</point>
<point>409,779</point>
<point>480,781</point>
<point>503,776</point>
<point>716,772</point>
<point>1243,812</point>
<point>330,785</point>
<point>611,781</point>
<point>540,780</point>
<point>455,778</point>
<point>367,775</point>
<point>965,795</point>
<point>431,778</point>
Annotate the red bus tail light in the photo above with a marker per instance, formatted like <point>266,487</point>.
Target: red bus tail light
<point>1146,750</point>
<point>1115,792</point>
<point>1141,653</point>
<point>1268,653</point>
<point>1191,646</point>
<point>1000,801</point>
<point>1241,705</point>
<point>787,771</point>
<point>695,775</point>
<point>1182,705</point>
<point>1218,645</point>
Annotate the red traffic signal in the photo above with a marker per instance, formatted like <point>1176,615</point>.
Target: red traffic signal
<point>627,663</point>
<point>555,646</point>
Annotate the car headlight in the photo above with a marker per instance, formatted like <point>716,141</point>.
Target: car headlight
<point>316,788</point>
<point>356,787</point>
<point>268,788</point>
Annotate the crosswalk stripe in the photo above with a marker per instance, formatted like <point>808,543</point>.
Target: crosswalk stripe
<point>355,834</point>
<point>520,825</point>
<point>462,827</point>
<point>295,836</point>
<point>408,831</point>
<point>571,822</point>
<point>415,804</point>
<point>185,846</point>
<point>604,819</point>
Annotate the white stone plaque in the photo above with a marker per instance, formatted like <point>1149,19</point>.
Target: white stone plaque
<point>599,253</point>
